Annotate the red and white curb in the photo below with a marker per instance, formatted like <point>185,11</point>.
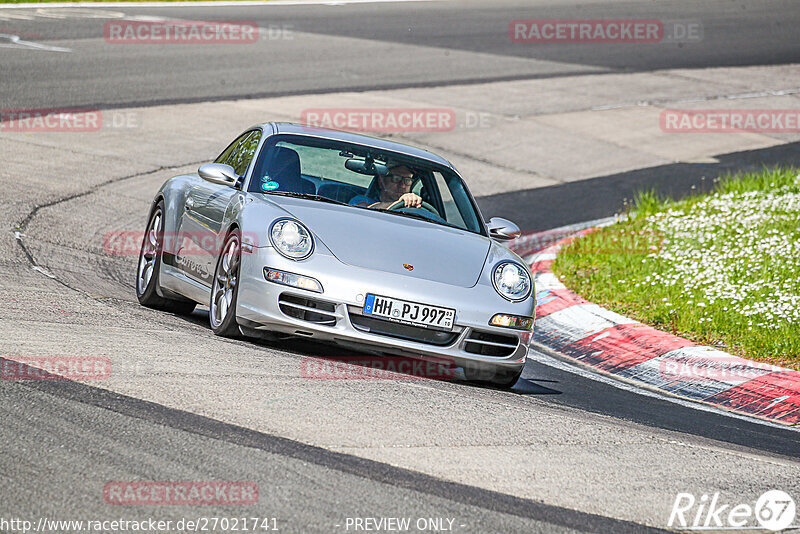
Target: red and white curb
<point>573,327</point>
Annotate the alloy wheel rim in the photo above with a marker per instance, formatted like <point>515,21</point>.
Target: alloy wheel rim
<point>225,281</point>
<point>149,253</point>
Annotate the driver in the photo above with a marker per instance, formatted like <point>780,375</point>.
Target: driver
<point>393,187</point>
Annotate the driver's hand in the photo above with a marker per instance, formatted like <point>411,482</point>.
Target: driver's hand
<point>411,200</point>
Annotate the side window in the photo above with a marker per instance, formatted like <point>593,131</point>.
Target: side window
<point>233,147</point>
<point>422,188</point>
<point>460,199</point>
<point>246,153</point>
<point>451,210</point>
<point>240,153</point>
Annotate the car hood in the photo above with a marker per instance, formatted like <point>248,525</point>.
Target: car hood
<point>389,243</point>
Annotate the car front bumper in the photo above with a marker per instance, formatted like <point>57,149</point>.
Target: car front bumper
<point>263,305</point>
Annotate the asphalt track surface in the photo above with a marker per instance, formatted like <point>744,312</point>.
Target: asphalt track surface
<point>328,48</point>
<point>61,440</point>
<point>735,33</point>
<point>98,432</point>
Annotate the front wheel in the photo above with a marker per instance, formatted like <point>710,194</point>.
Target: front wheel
<point>225,289</point>
<point>499,377</point>
<point>150,264</point>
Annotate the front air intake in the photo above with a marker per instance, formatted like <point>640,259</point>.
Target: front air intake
<point>490,344</point>
<point>402,331</point>
<point>306,309</point>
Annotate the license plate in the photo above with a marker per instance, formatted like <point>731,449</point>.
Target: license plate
<point>403,311</point>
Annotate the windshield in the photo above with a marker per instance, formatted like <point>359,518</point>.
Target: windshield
<point>364,178</point>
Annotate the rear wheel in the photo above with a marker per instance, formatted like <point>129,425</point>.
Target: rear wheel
<point>150,264</point>
<point>225,289</point>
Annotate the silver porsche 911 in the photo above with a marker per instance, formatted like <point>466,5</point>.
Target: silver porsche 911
<point>343,238</point>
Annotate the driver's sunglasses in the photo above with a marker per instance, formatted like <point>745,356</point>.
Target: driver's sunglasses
<point>396,179</point>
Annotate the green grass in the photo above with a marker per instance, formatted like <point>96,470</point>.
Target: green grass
<point>721,268</point>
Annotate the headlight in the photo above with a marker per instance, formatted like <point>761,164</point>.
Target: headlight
<point>511,281</point>
<point>291,238</point>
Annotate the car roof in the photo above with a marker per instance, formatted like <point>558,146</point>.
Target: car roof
<point>359,139</point>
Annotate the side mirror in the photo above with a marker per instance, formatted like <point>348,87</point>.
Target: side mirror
<point>502,229</point>
<point>218,173</point>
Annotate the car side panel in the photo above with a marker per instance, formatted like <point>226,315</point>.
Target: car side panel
<point>200,230</point>
<point>172,279</point>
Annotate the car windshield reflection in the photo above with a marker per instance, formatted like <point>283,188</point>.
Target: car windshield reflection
<point>363,177</point>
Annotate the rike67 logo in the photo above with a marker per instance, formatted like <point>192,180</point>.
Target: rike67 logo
<point>774,511</point>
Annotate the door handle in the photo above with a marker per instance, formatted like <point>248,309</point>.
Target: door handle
<point>189,204</point>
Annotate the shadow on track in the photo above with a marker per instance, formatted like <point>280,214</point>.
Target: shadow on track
<point>559,205</point>
<point>361,364</point>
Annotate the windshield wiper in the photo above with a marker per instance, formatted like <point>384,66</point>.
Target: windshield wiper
<point>309,196</point>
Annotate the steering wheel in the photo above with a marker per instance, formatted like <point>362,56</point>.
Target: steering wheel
<point>398,205</point>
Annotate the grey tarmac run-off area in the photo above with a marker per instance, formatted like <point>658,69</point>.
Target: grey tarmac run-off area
<point>182,404</point>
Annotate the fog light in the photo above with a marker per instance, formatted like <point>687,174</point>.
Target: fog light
<point>292,280</point>
<point>516,322</point>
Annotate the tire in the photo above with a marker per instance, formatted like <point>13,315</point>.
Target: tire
<point>150,264</point>
<point>506,379</point>
<point>225,288</point>
<point>499,378</point>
